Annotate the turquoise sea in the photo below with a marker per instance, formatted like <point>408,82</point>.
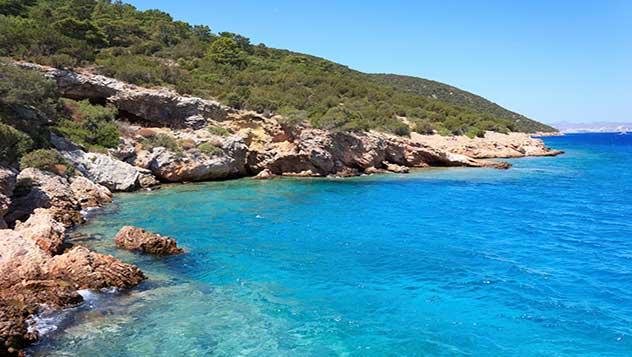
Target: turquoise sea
<point>531,261</point>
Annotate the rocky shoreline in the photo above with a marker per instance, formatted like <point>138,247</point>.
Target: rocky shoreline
<point>171,138</point>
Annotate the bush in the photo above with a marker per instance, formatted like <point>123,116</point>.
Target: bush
<point>424,127</point>
<point>47,160</point>
<point>161,140</point>
<point>92,126</point>
<point>218,130</point>
<point>473,132</point>
<point>210,149</point>
<point>13,144</point>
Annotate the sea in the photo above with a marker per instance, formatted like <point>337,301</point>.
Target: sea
<point>531,261</point>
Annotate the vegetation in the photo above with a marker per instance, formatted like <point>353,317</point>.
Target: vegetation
<point>47,160</point>
<point>161,140</point>
<point>455,96</point>
<point>91,126</point>
<point>210,149</point>
<point>13,144</point>
<point>218,130</point>
<point>150,48</point>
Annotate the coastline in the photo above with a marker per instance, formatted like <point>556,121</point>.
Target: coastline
<point>248,145</point>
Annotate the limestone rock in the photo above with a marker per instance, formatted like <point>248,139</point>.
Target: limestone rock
<point>90,270</point>
<point>162,107</point>
<point>103,169</point>
<point>42,229</point>
<point>264,175</point>
<point>137,239</point>
<point>40,189</point>
<point>194,165</point>
<point>88,193</point>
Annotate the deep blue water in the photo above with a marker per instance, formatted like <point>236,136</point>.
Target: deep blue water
<point>535,260</point>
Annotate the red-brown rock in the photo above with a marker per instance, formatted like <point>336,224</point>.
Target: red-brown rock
<point>139,240</point>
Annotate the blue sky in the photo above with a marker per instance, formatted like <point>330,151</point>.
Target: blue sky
<point>550,60</point>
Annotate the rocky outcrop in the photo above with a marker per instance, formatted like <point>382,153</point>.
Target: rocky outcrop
<point>7,184</point>
<point>89,194</point>
<point>160,107</point>
<point>227,161</point>
<point>90,270</point>
<point>33,278</point>
<point>139,240</point>
<point>103,169</point>
<point>493,145</point>
<point>39,189</point>
<point>42,229</point>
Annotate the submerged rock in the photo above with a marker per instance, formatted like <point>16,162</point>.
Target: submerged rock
<point>137,239</point>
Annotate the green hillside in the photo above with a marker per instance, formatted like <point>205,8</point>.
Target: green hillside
<point>150,48</point>
<point>455,96</point>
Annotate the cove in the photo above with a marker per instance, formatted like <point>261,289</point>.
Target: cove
<point>535,260</point>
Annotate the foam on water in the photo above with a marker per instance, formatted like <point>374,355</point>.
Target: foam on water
<point>536,260</point>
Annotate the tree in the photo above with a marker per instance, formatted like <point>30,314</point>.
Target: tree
<point>224,50</point>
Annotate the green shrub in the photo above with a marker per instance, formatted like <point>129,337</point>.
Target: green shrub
<point>13,144</point>
<point>423,126</point>
<point>473,132</point>
<point>161,140</point>
<point>210,149</point>
<point>218,130</point>
<point>92,126</point>
<point>47,160</point>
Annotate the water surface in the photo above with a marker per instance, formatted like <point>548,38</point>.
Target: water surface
<point>535,260</point>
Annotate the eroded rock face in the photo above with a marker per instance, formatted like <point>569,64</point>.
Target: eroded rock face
<point>194,165</point>
<point>39,189</point>
<point>139,240</point>
<point>90,270</point>
<point>30,277</point>
<point>89,194</point>
<point>161,107</point>
<point>102,169</point>
<point>42,229</point>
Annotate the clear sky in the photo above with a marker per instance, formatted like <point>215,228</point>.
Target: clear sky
<point>550,60</point>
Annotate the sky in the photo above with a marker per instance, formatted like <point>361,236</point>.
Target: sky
<point>554,61</point>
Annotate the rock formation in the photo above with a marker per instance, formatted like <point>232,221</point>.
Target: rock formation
<point>139,240</point>
<point>160,107</point>
<point>34,275</point>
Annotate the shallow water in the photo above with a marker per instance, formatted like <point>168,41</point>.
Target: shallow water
<point>536,260</point>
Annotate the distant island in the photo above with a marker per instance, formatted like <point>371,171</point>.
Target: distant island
<point>594,127</point>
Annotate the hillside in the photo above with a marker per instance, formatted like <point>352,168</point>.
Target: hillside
<point>150,48</point>
<point>458,97</point>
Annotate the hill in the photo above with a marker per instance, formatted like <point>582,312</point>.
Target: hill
<point>150,48</point>
<point>458,97</point>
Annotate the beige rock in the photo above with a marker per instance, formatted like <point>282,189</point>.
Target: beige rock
<point>138,239</point>
<point>89,194</point>
<point>40,189</point>
<point>42,229</point>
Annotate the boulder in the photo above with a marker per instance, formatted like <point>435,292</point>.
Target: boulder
<point>88,193</point>
<point>42,229</point>
<point>264,175</point>
<point>103,169</point>
<point>90,270</point>
<point>40,189</point>
<point>137,239</point>
<point>229,162</point>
